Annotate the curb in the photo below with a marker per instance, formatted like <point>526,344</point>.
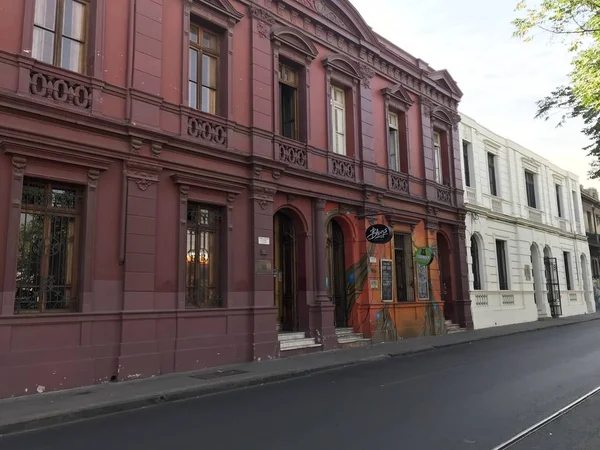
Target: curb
<point>51,420</point>
<point>175,395</point>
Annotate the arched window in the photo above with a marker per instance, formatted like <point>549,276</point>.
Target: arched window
<point>475,266</point>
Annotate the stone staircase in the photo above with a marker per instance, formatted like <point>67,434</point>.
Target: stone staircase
<point>348,338</point>
<point>296,341</point>
<point>452,328</point>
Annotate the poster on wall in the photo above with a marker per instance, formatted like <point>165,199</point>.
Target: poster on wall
<point>387,285</point>
<point>423,282</point>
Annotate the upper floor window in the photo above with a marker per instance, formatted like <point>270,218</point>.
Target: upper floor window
<point>590,222</point>
<point>437,157</point>
<point>575,206</point>
<point>49,237</point>
<point>559,207</point>
<point>530,189</point>
<point>203,70</point>
<point>59,33</point>
<point>288,97</point>
<point>466,150</point>
<point>338,117</point>
<point>492,174</point>
<point>394,142</point>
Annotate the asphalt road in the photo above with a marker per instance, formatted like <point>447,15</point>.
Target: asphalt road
<point>473,396</point>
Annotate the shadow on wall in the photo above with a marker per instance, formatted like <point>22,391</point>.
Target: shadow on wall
<point>597,293</point>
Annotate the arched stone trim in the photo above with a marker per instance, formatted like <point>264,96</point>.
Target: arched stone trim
<point>296,40</point>
<point>442,115</point>
<point>345,16</point>
<point>346,224</point>
<point>297,217</point>
<point>343,64</point>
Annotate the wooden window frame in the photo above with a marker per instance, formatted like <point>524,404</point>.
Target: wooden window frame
<point>438,170</point>
<point>341,72</point>
<point>193,189</point>
<point>85,172</point>
<point>201,50</point>
<point>219,211</point>
<point>74,261</point>
<point>95,37</point>
<point>293,49</point>
<point>397,101</point>
<point>339,106</point>
<point>296,106</point>
<point>219,19</point>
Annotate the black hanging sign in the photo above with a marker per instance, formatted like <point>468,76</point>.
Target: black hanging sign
<point>379,234</point>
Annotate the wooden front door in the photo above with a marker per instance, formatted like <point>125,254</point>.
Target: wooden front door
<point>338,275</point>
<point>285,273</point>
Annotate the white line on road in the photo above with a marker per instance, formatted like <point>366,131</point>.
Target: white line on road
<point>523,434</point>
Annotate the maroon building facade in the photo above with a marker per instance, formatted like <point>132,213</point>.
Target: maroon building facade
<point>183,181</point>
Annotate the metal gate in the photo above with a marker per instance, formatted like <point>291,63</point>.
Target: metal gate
<point>553,286</point>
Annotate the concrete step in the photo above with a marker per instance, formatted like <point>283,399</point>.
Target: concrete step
<point>288,336</point>
<point>455,330</point>
<point>343,331</point>
<point>297,344</point>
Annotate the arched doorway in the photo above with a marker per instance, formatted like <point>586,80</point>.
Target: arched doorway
<point>285,271</point>
<point>337,273</point>
<point>538,289</point>
<point>444,266</point>
<point>586,283</point>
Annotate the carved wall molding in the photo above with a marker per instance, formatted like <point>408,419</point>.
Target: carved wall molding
<point>135,145</point>
<point>93,175</point>
<point>156,148</point>
<point>367,73</point>
<point>19,163</point>
<point>276,174</point>
<point>263,195</point>
<point>143,174</point>
<point>381,62</point>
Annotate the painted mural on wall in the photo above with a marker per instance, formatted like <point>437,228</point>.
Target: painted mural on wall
<point>390,320</point>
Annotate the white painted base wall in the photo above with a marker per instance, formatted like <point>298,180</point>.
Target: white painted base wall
<point>492,307</point>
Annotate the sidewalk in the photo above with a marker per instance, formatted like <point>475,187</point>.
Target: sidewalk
<point>53,408</point>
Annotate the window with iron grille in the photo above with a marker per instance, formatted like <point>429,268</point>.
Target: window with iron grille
<point>203,258</point>
<point>49,237</point>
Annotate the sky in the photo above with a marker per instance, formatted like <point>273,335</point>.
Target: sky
<point>501,76</point>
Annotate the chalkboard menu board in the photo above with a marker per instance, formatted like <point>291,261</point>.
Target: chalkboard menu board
<point>423,282</point>
<point>387,285</point>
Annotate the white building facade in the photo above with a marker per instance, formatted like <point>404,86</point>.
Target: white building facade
<point>527,249</point>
